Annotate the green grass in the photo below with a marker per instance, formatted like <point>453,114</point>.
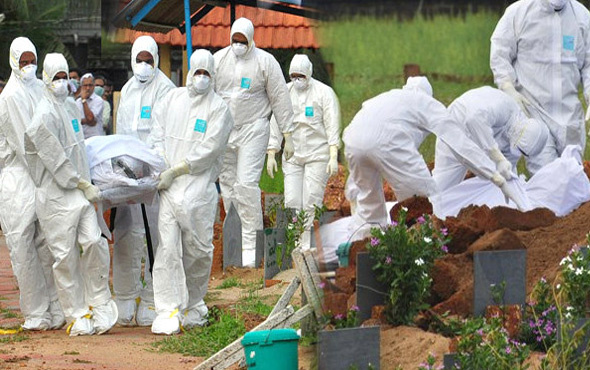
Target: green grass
<point>275,185</point>
<point>224,327</point>
<point>254,304</point>
<point>14,338</point>
<point>229,283</point>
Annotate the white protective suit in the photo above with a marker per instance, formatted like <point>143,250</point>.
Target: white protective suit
<point>253,87</point>
<point>29,254</point>
<point>134,118</point>
<point>316,137</point>
<point>383,140</point>
<point>54,147</point>
<point>191,130</point>
<point>495,122</point>
<point>540,55</point>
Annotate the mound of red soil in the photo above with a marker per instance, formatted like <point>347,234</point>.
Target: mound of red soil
<point>417,206</point>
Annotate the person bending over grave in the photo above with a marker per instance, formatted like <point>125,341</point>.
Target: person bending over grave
<point>191,129</point>
<point>383,140</point>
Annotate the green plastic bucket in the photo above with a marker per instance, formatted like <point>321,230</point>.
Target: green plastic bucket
<point>266,349</point>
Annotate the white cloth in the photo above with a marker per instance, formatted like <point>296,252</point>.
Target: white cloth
<point>194,128</point>
<point>561,186</point>
<point>383,140</point>
<point>134,119</point>
<point>253,87</point>
<point>317,127</point>
<point>95,103</point>
<point>492,120</point>
<point>54,146</point>
<point>106,116</point>
<point>29,254</point>
<point>544,54</point>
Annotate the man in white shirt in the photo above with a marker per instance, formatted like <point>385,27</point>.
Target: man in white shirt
<point>91,106</point>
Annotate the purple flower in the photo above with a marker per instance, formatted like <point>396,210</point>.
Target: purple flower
<point>420,220</point>
<point>354,308</point>
<point>322,285</point>
<point>387,260</point>
<point>374,241</point>
<point>444,231</point>
<point>445,249</point>
<point>339,316</point>
<point>295,219</point>
<point>508,350</point>
<point>480,332</point>
<point>393,223</point>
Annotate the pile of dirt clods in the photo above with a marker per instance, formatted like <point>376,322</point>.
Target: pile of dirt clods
<point>546,237</point>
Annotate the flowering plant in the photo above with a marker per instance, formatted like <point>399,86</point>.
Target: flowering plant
<point>403,258</point>
<point>293,232</point>
<point>539,327</point>
<point>488,346</point>
<point>575,273</point>
<point>340,321</point>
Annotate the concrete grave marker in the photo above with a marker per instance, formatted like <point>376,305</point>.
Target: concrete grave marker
<point>272,239</point>
<point>350,348</point>
<point>259,248</point>
<point>369,291</point>
<point>496,267</point>
<point>232,238</point>
<point>449,361</point>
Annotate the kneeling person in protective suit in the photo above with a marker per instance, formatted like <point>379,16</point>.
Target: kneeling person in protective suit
<point>495,122</point>
<point>191,129</point>
<point>316,139</point>
<point>55,151</point>
<point>383,140</point>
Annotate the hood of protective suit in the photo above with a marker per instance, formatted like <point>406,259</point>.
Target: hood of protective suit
<point>200,59</point>
<point>528,134</point>
<point>19,46</point>
<point>52,65</point>
<point>301,65</point>
<point>419,84</point>
<point>246,28</point>
<point>144,43</point>
<point>557,5</point>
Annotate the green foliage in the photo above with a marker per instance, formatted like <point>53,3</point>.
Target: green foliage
<point>275,185</point>
<point>540,318</point>
<point>575,273</point>
<point>229,283</point>
<point>252,303</point>
<point>403,259</point>
<point>497,291</point>
<point>224,327</point>
<point>340,321</point>
<point>486,345</point>
<point>293,232</point>
<point>429,364</point>
<point>14,338</point>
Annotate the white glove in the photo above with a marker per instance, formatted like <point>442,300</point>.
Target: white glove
<point>332,167</point>
<point>170,174</point>
<point>502,165</point>
<point>510,193</point>
<point>91,192</point>
<point>289,148</point>
<point>587,117</point>
<point>271,163</point>
<point>509,89</point>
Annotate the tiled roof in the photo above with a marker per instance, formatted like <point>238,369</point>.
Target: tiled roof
<point>272,30</point>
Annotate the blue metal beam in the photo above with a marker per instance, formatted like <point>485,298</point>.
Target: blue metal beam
<point>187,27</point>
<point>143,12</point>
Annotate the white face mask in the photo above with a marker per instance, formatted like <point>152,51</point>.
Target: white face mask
<point>143,71</point>
<point>300,83</point>
<point>59,88</point>
<point>557,4</point>
<point>28,73</point>
<point>239,49</point>
<point>201,83</point>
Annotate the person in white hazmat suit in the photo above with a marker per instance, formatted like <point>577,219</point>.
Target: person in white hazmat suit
<point>539,55</point>
<point>139,97</point>
<point>192,126</point>
<point>55,151</point>
<point>251,82</point>
<point>316,138</point>
<point>383,140</point>
<point>29,254</point>
<point>495,122</point>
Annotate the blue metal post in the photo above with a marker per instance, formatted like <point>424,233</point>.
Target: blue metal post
<point>187,24</point>
<point>143,12</point>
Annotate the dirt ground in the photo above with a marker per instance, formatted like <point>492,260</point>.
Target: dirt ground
<point>546,238</point>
